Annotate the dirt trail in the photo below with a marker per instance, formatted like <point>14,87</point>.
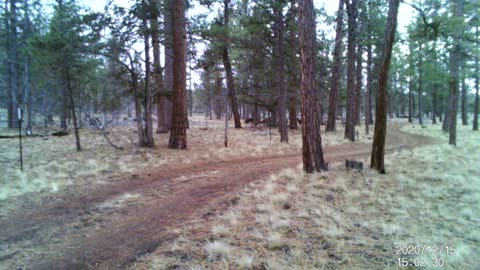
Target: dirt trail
<point>109,226</point>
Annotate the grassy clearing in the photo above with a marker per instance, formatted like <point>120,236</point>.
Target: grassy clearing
<point>52,162</point>
<point>346,220</point>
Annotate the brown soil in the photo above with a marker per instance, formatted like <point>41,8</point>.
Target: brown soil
<point>92,228</point>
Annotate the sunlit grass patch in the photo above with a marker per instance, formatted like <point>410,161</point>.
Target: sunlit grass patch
<point>217,250</point>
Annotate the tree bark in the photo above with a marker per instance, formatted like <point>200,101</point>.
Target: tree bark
<point>446,121</point>
<point>228,68</point>
<point>454,74</point>
<point>434,90</point>
<point>368,106</point>
<point>293,68</point>
<point>475,112</point>
<point>157,68</point>
<point>13,99</point>
<point>420,86</point>
<point>378,146</point>
<point>148,101</point>
<point>352,8</point>
<point>410,100</point>
<point>464,102</point>
<point>358,84</point>
<point>178,134</point>
<point>72,108</point>
<point>279,66</point>
<point>312,152</point>
<point>165,102</point>
<point>337,54</point>
<point>27,83</point>
<point>434,105</point>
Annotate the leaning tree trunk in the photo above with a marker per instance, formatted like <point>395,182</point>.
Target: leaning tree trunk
<point>279,66</point>
<point>378,146</point>
<point>228,68</point>
<point>352,6</point>
<point>312,141</point>
<point>178,134</point>
<point>337,54</point>
<point>454,74</point>
<point>475,112</point>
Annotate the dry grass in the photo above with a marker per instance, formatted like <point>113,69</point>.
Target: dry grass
<point>52,162</point>
<point>351,220</point>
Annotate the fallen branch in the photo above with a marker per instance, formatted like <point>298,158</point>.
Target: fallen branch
<point>97,125</point>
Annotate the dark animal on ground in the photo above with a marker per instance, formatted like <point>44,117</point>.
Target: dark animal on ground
<point>61,133</point>
<point>353,164</point>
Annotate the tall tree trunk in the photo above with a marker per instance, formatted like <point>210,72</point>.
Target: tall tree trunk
<point>337,54</point>
<point>157,68</point>
<point>148,101</point>
<point>293,68</point>
<point>410,100</point>
<point>312,152</point>
<point>72,108</point>
<point>64,113</point>
<point>420,87</point>
<point>368,106</point>
<point>256,110</point>
<point>178,134</point>
<point>378,146</point>
<point>228,67</point>
<point>446,121</point>
<point>434,105</point>
<point>475,112</point>
<point>464,100</point>
<point>352,8</point>
<point>165,102</point>
<point>279,66</point>
<point>454,74</point>
<point>13,98</point>
<point>358,84</point>
<point>27,83</point>
<point>292,113</point>
<point>435,89</point>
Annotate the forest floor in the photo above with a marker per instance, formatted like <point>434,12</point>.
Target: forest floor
<point>218,208</point>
